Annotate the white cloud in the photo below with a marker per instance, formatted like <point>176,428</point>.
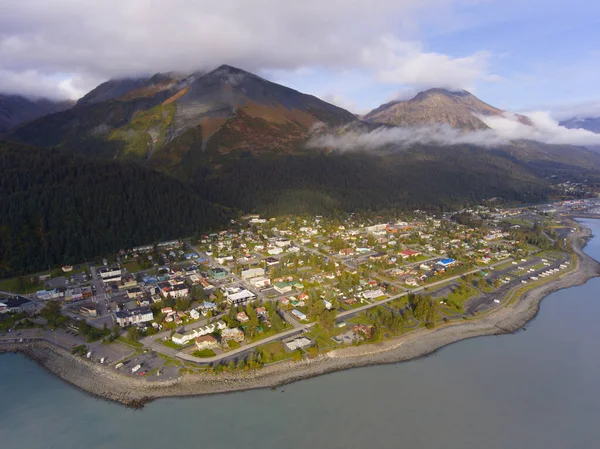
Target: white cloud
<point>504,129</point>
<point>406,62</point>
<point>545,129</point>
<point>35,84</point>
<point>589,109</point>
<point>92,40</point>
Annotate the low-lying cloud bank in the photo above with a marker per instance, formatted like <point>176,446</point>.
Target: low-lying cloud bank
<point>504,129</point>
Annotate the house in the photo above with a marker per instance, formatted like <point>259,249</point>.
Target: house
<point>261,311</point>
<point>194,314</point>
<point>409,253</point>
<point>301,316</point>
<point>274,251</point>
<point>232,334</point>
<point>298,343</point>
<point>242,317</point>
<point>167,311</point>
<point>412,281</point>
<point>346,252</point>
<point>206,342</point>
<point>134,316</point>
<point>252,273</point>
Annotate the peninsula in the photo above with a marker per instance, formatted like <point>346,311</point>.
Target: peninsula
<point>272,301</point>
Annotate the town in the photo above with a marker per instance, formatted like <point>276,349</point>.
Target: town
<point>289,288</point>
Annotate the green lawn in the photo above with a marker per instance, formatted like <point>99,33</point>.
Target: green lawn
<point>132,266</point>
<point>135,344</point>
<point>204,353</point>
<point>274,352</point>
<point>168,344</point>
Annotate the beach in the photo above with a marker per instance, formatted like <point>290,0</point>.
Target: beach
<point>106,383</point>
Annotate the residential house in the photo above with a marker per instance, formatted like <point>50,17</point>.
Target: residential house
<point>206,342</point>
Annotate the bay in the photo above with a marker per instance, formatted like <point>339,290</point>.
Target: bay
<point>537,388</point>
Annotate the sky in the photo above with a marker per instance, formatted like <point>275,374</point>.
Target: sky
<point>519,55</point>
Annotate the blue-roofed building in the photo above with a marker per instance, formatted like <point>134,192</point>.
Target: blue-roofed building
<point>446,262</point>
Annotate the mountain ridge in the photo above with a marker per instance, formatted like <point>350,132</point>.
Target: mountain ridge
<point>18,109</point>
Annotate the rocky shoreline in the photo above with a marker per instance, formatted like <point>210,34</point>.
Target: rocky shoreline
<point>105,383</point>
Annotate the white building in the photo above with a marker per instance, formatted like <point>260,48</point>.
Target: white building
<point>260,282</point>
<point>134,316</point>
<point>183,339</point>
<point>252,273</point>
<point>240,297</point>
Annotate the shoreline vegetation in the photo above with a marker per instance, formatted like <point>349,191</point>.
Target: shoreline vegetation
<point>104,382</point>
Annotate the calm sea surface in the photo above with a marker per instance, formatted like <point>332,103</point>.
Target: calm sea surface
<point>539,388</point>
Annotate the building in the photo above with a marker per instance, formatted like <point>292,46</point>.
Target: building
<point>409,253</point>
<point>298,343</point>
<point>232,334</point>
<point>134,316</point>
<point>16,304</point>
<point>182,339</point>
<point>445,263</point>
<point>283,287</point>
<point>46,295</point>
<point>239,296</point>
<point>217,273</point>
<point>89,311</point>
<point>373,294</point>
<point>206,342</point>
<point>242,317</point>
<point>253,273</point>
<point>134,293</point>
<point>282,243</point>
<point>301,316</point>
<point>260,282</point>
<point>110,274</point>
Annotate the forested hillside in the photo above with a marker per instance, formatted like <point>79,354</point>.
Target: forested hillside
<point>56,208</point>
<point>432,178</point>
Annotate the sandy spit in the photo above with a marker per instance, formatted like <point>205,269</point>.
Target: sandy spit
<point>104,382</point>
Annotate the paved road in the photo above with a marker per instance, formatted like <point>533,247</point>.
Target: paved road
<point>229,354</point>
<point>304,327</point>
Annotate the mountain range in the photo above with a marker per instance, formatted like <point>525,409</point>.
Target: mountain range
<point>18,109</point>
<point>239,142</point>
<point>588,123</point>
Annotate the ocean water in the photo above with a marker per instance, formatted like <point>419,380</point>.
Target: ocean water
<point>538,388</point>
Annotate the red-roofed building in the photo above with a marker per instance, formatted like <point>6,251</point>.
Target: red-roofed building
<point>409,253</point>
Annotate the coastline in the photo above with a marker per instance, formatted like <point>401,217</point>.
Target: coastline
<point>105,383</point>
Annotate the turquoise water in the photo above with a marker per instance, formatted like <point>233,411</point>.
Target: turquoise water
<point>538,388</point>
